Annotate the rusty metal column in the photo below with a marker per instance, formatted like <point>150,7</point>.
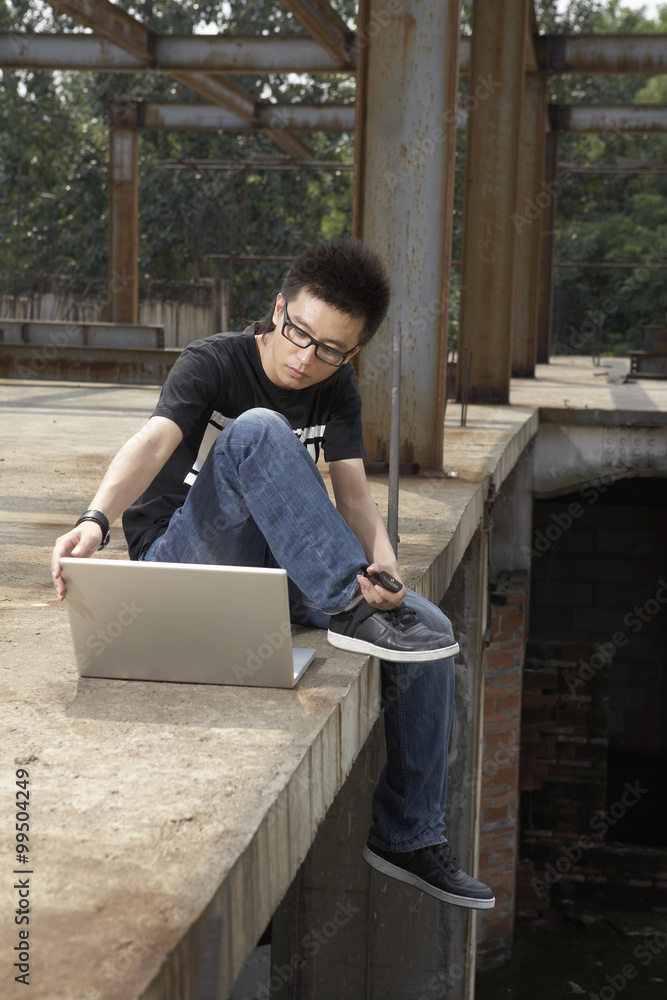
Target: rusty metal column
<point>548,237</point>
<point>534,200</point>
<point>493,162</point>
<point>123,215</point>
<point>404,186</point>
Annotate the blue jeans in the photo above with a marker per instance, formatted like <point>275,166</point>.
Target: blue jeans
<point>259,500</point>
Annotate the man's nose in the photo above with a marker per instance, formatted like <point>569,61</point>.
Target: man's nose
<point>306,354</point>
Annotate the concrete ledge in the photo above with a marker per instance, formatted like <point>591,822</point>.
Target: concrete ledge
<point>169,820</point>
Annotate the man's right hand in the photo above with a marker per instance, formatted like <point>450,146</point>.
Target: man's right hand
<point>81,542</point>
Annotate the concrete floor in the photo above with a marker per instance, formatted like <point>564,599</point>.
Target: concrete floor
<point>144,797</point>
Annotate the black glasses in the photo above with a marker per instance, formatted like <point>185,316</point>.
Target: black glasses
<point>329,355</point>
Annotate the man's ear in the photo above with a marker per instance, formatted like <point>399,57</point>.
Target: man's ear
<point>352,353</point>
<point>280,305</point>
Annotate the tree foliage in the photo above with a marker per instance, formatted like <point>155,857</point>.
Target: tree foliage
<point>54,155</point>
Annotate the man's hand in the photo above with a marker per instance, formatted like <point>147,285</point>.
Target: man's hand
<point>81,542</point>
<point>375,594</point>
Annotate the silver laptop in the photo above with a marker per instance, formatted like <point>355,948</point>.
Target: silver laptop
<point>154,621</point>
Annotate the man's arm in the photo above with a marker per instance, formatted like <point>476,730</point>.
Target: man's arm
<point>132,470</point>
<point>357,507</point>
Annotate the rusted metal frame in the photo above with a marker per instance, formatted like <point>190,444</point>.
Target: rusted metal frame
<point>576,54</point>
<point>180,53</point>
<point>109,21</point>
<point>493,164</point>
<point>258,165</point>
<point>124,224</point>
<point>547,220</point>
<point>168,116</point>
<point>603,266</point>
<point>132,365</point>
<point>609,118</point>
<point>608,54</point>
<point>403,198</point>
<point>325,25</point>
<point>532,201</point>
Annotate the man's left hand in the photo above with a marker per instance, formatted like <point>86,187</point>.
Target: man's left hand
<point>375,594</point>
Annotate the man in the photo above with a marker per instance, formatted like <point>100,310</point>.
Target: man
<point>223,477</point>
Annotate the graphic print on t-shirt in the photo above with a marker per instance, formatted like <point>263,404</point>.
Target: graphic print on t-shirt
<point>312,437</point>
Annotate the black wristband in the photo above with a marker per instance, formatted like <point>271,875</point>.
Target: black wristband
<point>99,518</point>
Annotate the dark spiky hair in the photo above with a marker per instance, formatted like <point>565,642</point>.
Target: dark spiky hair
<point>348,275</point>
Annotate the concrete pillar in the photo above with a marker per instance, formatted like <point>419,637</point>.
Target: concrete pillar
<point>493,163</point>
<point>548,236</point>
<point>533,200</point>
<point>404,187</point>
<point>124,224</point>
<point>344,929</point>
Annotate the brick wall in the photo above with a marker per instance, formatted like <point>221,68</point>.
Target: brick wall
<point>594,749</point>
<point>500,768</point>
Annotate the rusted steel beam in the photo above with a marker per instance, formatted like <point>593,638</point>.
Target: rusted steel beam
<point>492,168</point>
<point>181,53</point>
<point>589,54</point>
<point>547,221</point>
<point>609,54</point>
<point>63,333</point>
<point>108,20</point>
<point>608,118</point>
<point>532,201</point>
<point>325,25</point>
<point>87,364</point>
<point>204,117</point>
<point>111,22</point>
<point>404,182</point>
<point>124,225</point>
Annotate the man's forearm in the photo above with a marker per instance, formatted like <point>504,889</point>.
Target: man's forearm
<point>365,521</point>
<point>134,468</point>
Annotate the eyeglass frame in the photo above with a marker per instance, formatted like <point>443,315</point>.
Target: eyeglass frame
<point>311,340</point>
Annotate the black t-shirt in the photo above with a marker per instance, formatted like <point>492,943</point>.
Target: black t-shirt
<point>212,382</point>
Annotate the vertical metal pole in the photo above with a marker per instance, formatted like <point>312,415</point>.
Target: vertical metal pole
<point>534,199</point>
<point>124,224</point>
<point>394,440</point>
<point>548,236</point>
<point>493,163</point>
<point>407,90</point>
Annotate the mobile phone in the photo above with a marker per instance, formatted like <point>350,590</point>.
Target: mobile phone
<point>386,580</point>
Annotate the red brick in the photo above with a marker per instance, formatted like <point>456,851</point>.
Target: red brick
<point>498,660</point>
<point>512,622</point>
<point>493,814</point>
<point>507,702</point>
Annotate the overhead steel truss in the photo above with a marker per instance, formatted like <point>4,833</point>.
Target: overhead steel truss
<point>104,52</point>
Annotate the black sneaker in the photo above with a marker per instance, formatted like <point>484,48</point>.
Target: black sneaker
<point>395,635</point>
<point>433,870</point>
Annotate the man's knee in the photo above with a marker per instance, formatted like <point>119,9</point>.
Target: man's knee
<point>254,425</point>
<point>262,418</point>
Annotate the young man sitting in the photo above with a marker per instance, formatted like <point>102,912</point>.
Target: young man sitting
<point>225,473</point>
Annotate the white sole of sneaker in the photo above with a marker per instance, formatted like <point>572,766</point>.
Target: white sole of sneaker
<point>393,871</point>
<point>395,656</point>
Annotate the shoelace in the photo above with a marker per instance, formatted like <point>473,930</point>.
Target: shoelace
<point>401,618</point>
<point>443,855</point>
